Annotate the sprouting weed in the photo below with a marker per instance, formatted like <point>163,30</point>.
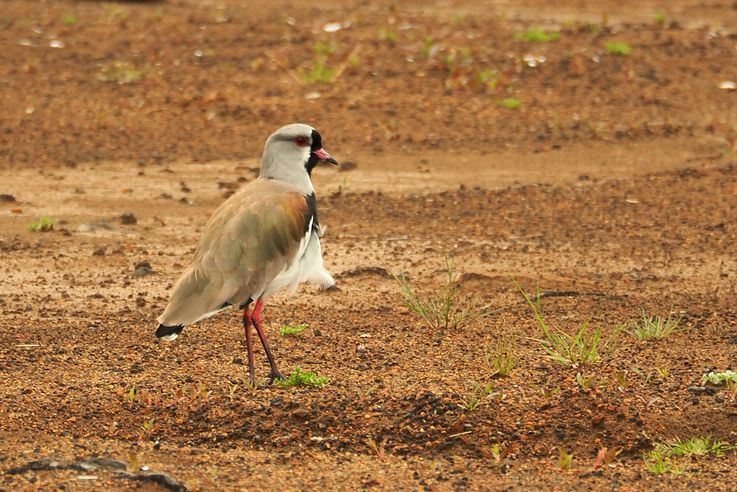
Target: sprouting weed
<point>292,330</point>
<point>564,459</point>
<point>650,327</point>
<point>442,311</point>
<point>44,224</point>
<point>479,395</point>
<point>302,378</point>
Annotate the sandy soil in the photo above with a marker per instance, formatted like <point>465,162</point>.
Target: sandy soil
<point>613,187</point>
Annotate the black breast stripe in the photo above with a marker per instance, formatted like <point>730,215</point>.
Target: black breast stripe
<point>311,214</point>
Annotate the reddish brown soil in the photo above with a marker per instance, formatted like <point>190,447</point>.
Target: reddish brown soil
<point>614,181</point>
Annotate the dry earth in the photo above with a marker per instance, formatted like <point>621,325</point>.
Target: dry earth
<point>613,187</point>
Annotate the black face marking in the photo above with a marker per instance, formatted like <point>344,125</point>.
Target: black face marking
<point>316,145</point>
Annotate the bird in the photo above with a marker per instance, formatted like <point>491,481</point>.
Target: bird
<point>264,238</point>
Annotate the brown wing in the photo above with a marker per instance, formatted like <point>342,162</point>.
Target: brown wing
<point>249,240</point>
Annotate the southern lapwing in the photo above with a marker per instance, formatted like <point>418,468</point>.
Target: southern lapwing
<point>264,238</point>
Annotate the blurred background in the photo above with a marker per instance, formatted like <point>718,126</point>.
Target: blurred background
<point>156,81</point>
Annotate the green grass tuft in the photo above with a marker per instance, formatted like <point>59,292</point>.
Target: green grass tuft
<point>69,19</point>
<point>570,350</point>
<point>720,378</point>
<point>300,378</point>
<point>509,103</point>
<point>442,310</point>
<point>650,327</point>
<point>537,35</point>
<point>292,330</point>
<point>121,73</point>
<point>319,71</point>
<point>618,48</point>
<point>44,224</point>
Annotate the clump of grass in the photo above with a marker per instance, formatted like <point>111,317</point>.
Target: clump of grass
<point>292,330</point>
<point>570,350</point>
<point>659,460</point>
<point>479,395</point>
<point>441,311</point>
<point>720,378</point>
<point>660,18</point>
<point>69,19</point>
<point>319,71</point>
<point>302,378</point>
<point>537,35</point>
<point>565,459</point>
<point>650,327</point>
<point>696,446</point>
<point>44,224</point>
<point>509,103</point>
<point>489,78</point>
<point>618,48</point>
<point>121,73</point>
<point>502,358</point>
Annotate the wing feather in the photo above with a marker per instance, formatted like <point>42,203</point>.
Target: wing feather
<point>250,239</point>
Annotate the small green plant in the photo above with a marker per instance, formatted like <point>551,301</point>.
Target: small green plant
<point>696,446</point>
<point>565,459</point>
<point>325,49</point>
<point>660,18</point>
<point>650,327</point>
<point>69,19</point>
<point>440,311</point>
<point>479,395</point>
<point>720,378</point>
<point>501,358</point>
<point>537,35</point>
<point>292,330</point>
<point>319,71</point>
<point>571,350</point>
<point>131,396</point>
<point>658,464</point>
<point>489,78</point>
<point>509,103</point>
<point>44,224</point>
<point>232,388</point>
<point>429,48</point>
<point>148,427</point>
<point>663,373</point>
<point>618,48</point>
<point>388,35</point>
<point>121,73</point>
<point>584,382</point>
<point>300,378</point>
<point>378,449</point>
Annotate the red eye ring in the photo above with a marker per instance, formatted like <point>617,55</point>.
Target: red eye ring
<point>302,141</point>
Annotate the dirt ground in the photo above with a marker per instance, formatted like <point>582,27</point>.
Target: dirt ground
<point>612,186</point>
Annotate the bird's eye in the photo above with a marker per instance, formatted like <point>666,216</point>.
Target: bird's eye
<point>302,141</point>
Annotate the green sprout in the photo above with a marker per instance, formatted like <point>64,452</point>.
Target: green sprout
<point>537,35</point>
<point>720,378</point>
<point>509,103</point>
<point>571,350</point>
<point>650,327</point>
<point>441,311</point>
<point>121,73</point>
<point>319,71</point>
<point>292,330</point>
<point>69,19</point>
<point>300,378</point>
<point>44,224</point>
<point>618,48</point>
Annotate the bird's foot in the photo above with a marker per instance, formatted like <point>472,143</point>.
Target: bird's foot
<point>275,374</point>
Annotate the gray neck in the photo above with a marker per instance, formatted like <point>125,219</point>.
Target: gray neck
<point>284,169</point>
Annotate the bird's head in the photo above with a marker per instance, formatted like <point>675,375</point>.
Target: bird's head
<point>292,152</point>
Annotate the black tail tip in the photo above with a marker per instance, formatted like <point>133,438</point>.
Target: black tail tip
<point>169,332</point>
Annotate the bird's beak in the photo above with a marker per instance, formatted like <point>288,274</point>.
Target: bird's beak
<point>322,155</point>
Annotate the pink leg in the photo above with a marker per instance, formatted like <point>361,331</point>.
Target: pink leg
<point>249,345</point>
<point>257,323</point>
